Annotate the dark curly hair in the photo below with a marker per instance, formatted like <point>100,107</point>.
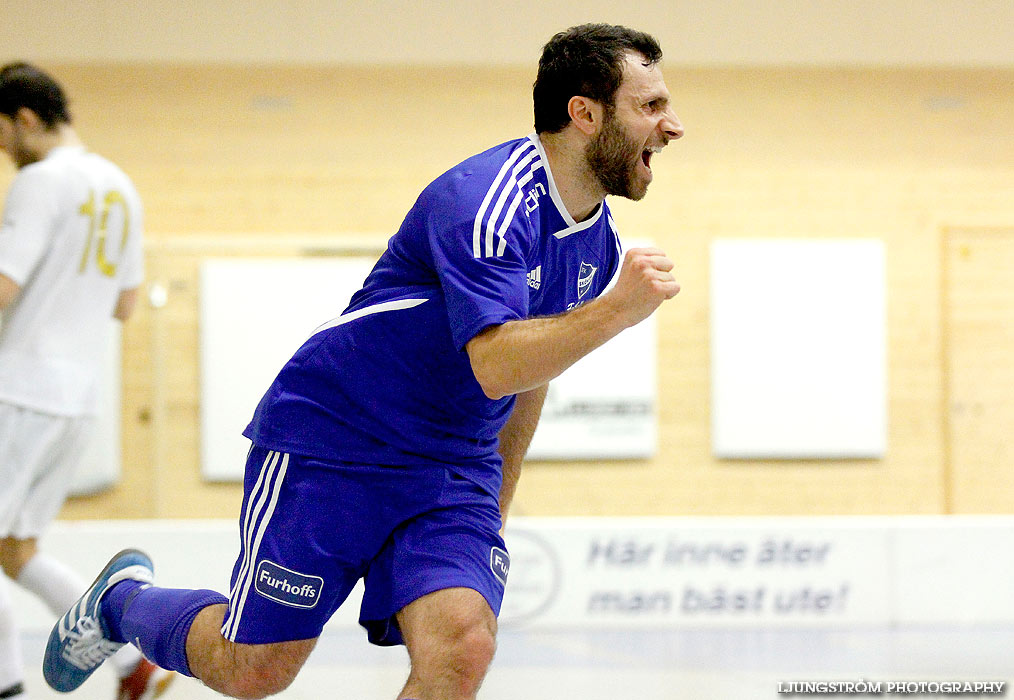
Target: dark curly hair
<point>24,85</point>
<point>586,60</point>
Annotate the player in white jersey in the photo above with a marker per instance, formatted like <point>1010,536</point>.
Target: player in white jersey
<point>70,257</point>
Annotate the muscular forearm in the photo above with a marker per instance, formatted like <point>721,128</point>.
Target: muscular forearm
<point>515,437</point>
<point>520,355</point>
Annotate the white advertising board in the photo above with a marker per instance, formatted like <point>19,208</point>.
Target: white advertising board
<point>669,573</point>
<point>658,572</point>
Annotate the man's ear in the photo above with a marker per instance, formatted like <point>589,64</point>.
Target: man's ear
<point>27,119</point>
<point>586,114</point>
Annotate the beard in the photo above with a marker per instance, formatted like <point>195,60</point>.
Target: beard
<point>23,157</point>
<point>613,158</point>
<point>19,152</point>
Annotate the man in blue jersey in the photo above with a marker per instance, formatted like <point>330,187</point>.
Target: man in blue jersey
<point>388,448</point>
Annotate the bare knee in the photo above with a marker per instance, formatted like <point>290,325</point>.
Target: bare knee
<point>451,645</point>
<point>253,671</point>
<point>248,671</point>
<point>260,677</point>
<point>471,634</point>
<point>472,653</point>
<point>462,655</point>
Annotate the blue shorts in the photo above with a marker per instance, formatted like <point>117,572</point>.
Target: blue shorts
<point>310,530</point>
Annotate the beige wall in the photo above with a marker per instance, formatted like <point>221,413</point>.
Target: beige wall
<point>923,159</point>
<point>739,32</point>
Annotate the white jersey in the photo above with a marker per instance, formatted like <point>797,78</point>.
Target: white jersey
<point>71,238</point>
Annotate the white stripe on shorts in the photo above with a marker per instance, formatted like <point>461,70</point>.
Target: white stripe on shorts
<point>256,501</point>
<point>265,491</point>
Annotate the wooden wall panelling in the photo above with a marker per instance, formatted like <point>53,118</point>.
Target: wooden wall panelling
<point>978,366</point>
<point>332,151</point>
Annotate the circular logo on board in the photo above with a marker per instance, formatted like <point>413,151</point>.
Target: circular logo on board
<point>535,578</point>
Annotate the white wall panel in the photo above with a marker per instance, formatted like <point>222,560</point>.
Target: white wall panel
<point>798,348</point>
<point>100,465</point>
<point>255,313</point>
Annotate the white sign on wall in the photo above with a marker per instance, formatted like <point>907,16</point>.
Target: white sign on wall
<point>100,465</point>
<point>603,407</point>
<point>254,314</point>
<point>798,348</point>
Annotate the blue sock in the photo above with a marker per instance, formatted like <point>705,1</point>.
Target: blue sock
<point>113,604</point>
<point>156,620</point>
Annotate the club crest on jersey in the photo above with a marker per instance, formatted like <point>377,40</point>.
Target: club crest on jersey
<point>584,278</point>
<point>286,586</point>
<point>500,563</point>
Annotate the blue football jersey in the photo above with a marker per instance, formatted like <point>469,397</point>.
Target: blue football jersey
<point>389,381</point>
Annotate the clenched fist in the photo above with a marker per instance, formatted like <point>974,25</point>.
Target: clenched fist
<point>645,281</point>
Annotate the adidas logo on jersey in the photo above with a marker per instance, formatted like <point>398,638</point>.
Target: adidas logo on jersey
<point>535,278</point>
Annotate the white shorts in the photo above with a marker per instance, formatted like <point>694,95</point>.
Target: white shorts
<point>38,455</point>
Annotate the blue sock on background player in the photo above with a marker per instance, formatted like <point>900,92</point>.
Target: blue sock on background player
<point>157,620</point>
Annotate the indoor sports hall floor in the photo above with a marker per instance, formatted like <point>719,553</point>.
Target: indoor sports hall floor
<point>646,665</point>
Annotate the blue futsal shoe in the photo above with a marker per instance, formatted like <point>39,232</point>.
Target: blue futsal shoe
<point>79,642</point>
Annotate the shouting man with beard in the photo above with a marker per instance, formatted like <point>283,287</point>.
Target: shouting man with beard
<point>389,446</point>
